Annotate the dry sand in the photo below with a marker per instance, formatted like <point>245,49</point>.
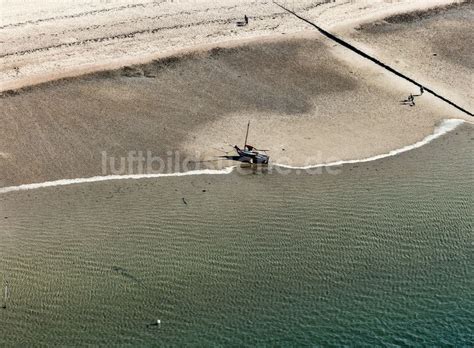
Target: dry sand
<point>46,39</point>
<point>309,102</point>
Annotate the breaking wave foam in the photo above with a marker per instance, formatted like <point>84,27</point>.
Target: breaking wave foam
<point>65,182</point>
<point>445,127</point>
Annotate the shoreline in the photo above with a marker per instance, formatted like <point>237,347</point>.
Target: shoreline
<point>445,127</point>
<point>325,104</point>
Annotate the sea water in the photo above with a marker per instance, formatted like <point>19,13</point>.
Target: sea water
<point>380,253</point>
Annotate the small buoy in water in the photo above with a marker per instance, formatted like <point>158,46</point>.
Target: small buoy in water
<point>158,323</point>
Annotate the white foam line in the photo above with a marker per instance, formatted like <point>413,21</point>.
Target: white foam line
<point>445,127</point>
<point>65,182</point>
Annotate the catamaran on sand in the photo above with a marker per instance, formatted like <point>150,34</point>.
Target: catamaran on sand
<point>249,154</point>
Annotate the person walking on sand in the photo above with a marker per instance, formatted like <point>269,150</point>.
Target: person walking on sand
<point>246,19</point>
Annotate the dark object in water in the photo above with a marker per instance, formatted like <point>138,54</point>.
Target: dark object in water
<point>184,201</point>
<point>5,296</point>
<point>157,323</point>
<point>125,273</point>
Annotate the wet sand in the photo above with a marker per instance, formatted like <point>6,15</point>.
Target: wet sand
<point>435,47</point>
<point>309,102</point>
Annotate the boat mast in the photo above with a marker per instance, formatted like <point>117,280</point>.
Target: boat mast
<point>247,134</point>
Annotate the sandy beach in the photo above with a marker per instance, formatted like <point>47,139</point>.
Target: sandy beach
<point>196,79</point>
<point>44,40</point>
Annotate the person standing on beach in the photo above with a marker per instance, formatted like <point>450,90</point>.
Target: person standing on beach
<point>246,19</point>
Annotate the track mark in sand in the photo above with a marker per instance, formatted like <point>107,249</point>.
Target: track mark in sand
<point>132,34</point>
<point>312,6</point>
<point>131,22</point>
<point>118,36</point>
<point>333,6</point>
<point>81,14</point>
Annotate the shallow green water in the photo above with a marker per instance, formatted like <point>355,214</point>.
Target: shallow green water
<point>380,254</point>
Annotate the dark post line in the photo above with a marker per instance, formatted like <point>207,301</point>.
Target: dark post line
<point>375,60</point>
